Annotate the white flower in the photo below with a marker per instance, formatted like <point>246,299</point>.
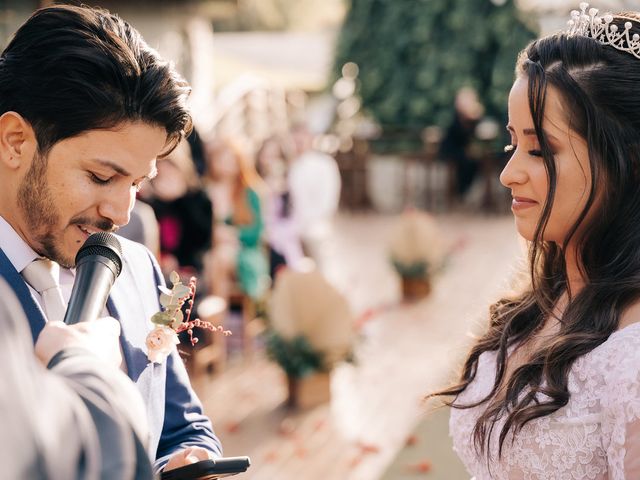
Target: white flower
<point>160,342</point>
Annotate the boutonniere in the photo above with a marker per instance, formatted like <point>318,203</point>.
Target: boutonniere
<point>173,318</point>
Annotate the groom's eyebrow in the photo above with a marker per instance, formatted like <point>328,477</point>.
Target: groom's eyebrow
<point>113,166</point>
<point>121,171</point>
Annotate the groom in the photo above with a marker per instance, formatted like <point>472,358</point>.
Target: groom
<point>86,108</point>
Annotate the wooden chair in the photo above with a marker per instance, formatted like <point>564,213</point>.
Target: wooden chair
<point>210,353</point>
<point>252,326</point>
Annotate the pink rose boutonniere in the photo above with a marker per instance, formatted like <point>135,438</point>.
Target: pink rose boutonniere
<point>170,320</point>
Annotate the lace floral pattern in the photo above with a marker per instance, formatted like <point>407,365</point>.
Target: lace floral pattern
<point>595,436</point>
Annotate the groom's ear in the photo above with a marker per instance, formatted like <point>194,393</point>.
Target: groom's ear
<point>18,142</point>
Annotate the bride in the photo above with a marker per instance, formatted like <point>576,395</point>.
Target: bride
<point>552,389</point>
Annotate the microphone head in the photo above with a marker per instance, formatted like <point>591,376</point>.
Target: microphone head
<point>104,244</point>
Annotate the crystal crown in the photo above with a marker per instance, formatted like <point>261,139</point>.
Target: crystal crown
<point>602,29</point>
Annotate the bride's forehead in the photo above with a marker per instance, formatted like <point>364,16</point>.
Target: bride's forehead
<point>555,113</point>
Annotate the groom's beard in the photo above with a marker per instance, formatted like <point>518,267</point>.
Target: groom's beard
<point>39,210</point>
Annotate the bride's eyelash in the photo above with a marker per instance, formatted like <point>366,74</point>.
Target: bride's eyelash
<point>511,148</point>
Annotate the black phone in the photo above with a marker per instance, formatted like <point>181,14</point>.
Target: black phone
<point>209,469</point>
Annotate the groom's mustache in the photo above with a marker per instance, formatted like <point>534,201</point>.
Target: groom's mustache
<point>103,224</point>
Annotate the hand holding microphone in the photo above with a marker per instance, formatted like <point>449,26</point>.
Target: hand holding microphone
<point>100,337</point>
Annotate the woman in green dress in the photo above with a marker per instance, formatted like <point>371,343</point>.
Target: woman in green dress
<point>235,189</point>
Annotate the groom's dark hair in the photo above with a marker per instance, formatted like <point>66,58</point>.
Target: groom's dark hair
<point>71,69</point>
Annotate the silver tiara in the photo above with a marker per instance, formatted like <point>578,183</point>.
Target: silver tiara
<point>603,30</point>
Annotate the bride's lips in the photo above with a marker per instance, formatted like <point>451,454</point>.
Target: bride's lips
<point>521,203</point>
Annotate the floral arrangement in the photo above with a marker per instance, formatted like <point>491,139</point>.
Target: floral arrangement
<point>170,320</point>
<point>417,248</point>
<point>312,327</point>
<point>296,356</point>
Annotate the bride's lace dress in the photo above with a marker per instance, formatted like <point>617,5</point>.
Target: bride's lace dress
<point>595,436</point>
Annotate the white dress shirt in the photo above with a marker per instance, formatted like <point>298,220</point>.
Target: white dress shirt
<point>20,254</point>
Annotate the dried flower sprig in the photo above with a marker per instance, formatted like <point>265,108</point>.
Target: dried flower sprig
<point>170,320</point>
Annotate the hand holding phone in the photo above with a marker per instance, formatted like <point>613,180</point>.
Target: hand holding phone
<point>209,469</point>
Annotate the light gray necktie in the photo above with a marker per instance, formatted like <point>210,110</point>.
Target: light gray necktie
<point>44,276</point>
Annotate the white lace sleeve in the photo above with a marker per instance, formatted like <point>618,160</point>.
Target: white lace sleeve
<point>632,448</point>
<point>596,436</point>
<point>621,411</point>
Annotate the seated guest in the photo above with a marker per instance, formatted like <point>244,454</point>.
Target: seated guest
<point>314,184</point>
<point>143,227</point>
<point>283,232</point>
<point>235,188</point>
<point>184,213</point>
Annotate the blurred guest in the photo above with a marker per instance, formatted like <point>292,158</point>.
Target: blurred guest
<point>184,213</point>
<point>235,188</point>
<point>314,183</point>
<point>283,234</point>
<point>458,137</point>
<point>198,155</point>
<point>143,227</point>
<point>69,412</point>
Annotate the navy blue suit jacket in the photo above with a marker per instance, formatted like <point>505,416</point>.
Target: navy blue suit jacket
<point>174,411</point>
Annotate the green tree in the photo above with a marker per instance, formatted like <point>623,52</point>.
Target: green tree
<point>414,55</point>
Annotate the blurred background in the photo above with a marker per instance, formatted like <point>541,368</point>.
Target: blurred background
<point>339,203</point>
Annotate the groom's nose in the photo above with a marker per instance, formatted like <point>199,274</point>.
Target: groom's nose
<point>117,207</point>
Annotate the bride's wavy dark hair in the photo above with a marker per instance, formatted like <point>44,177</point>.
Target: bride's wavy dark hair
<point>600,90</point>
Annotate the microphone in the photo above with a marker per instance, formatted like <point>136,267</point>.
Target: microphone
<point>98,264</point>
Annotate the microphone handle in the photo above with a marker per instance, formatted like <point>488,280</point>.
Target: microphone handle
<point>93,282</point>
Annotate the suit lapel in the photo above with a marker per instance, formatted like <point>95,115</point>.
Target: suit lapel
<point>31,308</point>
<point>133,306</point>
<point>125,305</point>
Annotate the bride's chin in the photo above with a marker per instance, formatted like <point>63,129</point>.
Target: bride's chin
<point>525,231</point>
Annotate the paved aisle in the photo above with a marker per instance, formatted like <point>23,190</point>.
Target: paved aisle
<point>405,351</point>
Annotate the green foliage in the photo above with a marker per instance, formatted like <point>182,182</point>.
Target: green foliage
<point>414,55</point>
<point>171,300</point>
<point>411,270</point>
<point>419,269</point>
<point>162,318</point>
<point>296,357</point>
